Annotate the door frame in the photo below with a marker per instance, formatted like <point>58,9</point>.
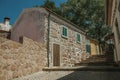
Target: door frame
<point>53,53</point>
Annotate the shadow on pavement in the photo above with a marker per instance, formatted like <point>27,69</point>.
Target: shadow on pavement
<point>92,75</point>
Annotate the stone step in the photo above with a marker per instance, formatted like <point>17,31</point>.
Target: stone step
<point>83,68</point>
<point>96,64</point>
<point>98,58</point>
<point>101,56</point>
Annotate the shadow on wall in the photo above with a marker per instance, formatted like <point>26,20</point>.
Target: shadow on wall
<point>92,75</point>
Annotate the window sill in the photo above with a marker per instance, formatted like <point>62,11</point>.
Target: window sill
<point>78,42</point>
<point>65,37</point>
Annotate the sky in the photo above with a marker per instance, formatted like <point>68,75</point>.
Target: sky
<point>13,8</point>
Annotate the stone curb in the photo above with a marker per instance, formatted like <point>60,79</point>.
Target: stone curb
<point>83,68</point>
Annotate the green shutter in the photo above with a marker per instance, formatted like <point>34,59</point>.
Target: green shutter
<point>78,37</point>
<point>64,31</point>
<point>88,48</point>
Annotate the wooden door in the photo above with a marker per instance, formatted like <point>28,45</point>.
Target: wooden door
<point>56,55</point>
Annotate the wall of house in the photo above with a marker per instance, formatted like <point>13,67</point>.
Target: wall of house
<point>93,51</point>
<point>30,24</point>
<point>33,23</point>
<point>94,48</point>
<point>5,26</point>
<point>70,51</point>
<point>116,16</point>
<point>18,60</point>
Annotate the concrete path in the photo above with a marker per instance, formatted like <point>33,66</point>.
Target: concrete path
<point>73,75</point>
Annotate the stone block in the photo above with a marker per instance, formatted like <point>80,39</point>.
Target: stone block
<point>10,75</point>
<point>14,67</point>
<point>15,75</point>
<point>3,77</point>
<point>21,59</point>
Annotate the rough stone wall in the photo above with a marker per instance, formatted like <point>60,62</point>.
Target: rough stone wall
<point>94,48</point>
<point>5,34</point>
<point>70,51</point>
<point>29,24</point>
<point>18,60</point>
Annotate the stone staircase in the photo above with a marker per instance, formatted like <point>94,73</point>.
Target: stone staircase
<point>101,68</point>
<point>93,63</point>
<point>97,60</point>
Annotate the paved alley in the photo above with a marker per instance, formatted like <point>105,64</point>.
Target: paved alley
<point>73,75</point>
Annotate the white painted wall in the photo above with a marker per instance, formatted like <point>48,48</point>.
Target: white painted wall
<point>5,27</point>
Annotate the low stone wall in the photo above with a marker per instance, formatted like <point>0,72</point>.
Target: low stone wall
<point>18,60</point>
<point>5,34</point>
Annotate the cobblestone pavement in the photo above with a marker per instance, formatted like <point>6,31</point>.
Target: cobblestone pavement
<point>73,75</point>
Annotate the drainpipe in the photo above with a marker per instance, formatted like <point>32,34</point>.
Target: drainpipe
<point>48,40</point>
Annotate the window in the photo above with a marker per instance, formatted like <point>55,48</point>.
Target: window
<point>64,31</point>
<point>78,37</point>
<point>88,46</point>
<point>117,29</point>
<point>21,39</point>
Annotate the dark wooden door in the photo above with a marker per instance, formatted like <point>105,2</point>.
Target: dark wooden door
<point>56,55</point>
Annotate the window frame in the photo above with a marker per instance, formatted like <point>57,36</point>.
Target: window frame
<point>77,37</point>
<point>64,36</point>
<point>88,46</point>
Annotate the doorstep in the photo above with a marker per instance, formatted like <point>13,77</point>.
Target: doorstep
<point>83,68</point>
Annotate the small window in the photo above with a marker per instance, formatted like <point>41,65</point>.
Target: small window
<point>78,37</point>
<point>64,31</point>
<point>21,39</point>
<point>88,47</point>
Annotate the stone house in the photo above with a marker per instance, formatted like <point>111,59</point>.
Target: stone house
<point>6,25</point>
<point>5,28</point>
<point>65,42</point>
<point>113,19</point>
<point>92,46</point>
